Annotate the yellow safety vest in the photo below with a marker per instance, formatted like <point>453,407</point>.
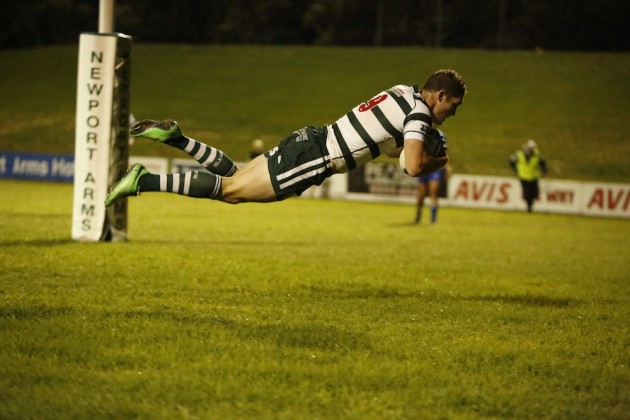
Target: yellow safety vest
<point>528,170</point>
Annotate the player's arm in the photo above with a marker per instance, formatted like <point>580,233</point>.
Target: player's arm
<point>448,170</point>
<point>543,165</point>
<point>513,160</point>
<point>418,162</point>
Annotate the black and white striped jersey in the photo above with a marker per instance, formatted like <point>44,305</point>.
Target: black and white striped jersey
<point>376,126</point>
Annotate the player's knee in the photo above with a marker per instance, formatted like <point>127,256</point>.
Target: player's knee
<point>229,200</point>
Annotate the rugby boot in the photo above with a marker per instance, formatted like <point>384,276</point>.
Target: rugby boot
<point>127,186</point>
<point>156,130</point>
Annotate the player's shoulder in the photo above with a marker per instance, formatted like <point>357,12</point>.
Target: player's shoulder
<point>411,95</point>
<point>402,89</point>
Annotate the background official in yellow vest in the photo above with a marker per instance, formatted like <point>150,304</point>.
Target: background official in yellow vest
<point>529,166</point>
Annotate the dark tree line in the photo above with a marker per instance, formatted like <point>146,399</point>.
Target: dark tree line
<point>498,24</point>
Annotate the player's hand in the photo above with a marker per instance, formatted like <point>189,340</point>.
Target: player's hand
<point>431,164</point>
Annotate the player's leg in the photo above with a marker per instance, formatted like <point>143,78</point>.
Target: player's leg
<point>168,132</point>
<point>422,191</point>
<point>198,184</point>
<point>250,184</point>
<point>297,165</point>
<point>535,193</point>
<point>434,188</point>
<point>530,193</point>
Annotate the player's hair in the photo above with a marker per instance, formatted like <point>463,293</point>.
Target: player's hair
<point>448,80</point>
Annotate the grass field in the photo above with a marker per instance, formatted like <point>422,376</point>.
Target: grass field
<point>574,104</point>
<point>311,309</point>
<point>319,309</point>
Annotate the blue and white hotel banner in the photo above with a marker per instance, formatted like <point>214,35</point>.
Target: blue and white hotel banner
<point>37,166</point>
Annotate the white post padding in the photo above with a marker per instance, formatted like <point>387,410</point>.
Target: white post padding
<point>101,135</point>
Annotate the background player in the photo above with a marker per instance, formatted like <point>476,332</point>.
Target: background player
<point>429,185</point>
<point>529,166</point>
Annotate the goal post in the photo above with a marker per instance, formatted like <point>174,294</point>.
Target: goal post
<point>101,135</point>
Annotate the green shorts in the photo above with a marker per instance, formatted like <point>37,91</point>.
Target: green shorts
<point>299,162</point>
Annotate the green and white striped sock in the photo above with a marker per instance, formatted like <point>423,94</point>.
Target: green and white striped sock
<point>198,184</point>
<point>210,158</point>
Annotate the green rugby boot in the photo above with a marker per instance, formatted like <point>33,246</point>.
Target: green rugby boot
<point>127,186</point>
<point>156,130</point>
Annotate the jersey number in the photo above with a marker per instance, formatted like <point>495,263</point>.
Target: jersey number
<point>372,103</point>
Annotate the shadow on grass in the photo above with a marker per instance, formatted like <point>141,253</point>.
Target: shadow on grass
<point>307,335</point>
<point>7,215</point>
<point>310,335</point>
<point>67,241</point>
<point>434,296</point>
<point>195,241</point>
<point>408,224</point>
<point>35,311</point>
<point>528,300</point>
<point>37,242</point>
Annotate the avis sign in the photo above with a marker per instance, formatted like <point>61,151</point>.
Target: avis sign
<point>606,199</point>
<point>101,145</point>
<point>500,193</point>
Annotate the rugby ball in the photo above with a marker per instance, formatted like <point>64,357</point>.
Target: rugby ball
<point>435,143</point>
<point>401,161</point>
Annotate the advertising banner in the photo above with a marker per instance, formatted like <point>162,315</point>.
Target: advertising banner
<point>605,199</point>
<point>385,182</point>
<point>37,166</point>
